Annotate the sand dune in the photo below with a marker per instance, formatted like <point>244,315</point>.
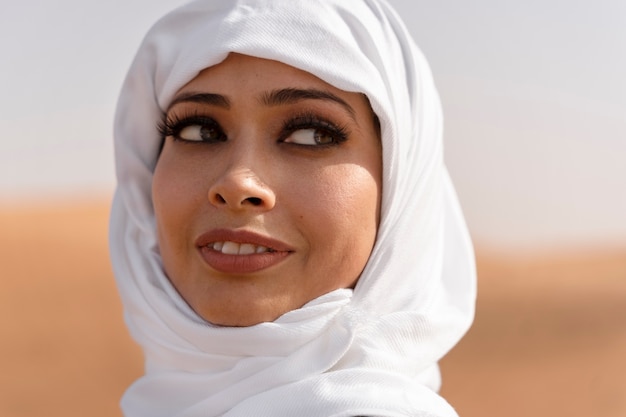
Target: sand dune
<point>549,338</point>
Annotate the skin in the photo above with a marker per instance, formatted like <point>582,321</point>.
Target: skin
<point>265,176</point>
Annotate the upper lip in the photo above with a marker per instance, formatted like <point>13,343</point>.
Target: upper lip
<point>241,236</point>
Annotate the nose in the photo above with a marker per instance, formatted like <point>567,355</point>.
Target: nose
<point>241,189</point>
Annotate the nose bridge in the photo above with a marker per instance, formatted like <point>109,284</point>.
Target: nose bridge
<point>241,183</point>
<point>246,154</point>
<point>247,159</point>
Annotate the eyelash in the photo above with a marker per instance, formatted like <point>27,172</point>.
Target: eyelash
<point>171,126</point>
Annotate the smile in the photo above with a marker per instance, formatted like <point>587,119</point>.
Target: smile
<point>234,248</point>
<point>239,251</point>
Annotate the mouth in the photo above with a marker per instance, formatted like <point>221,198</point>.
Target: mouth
<point>240,251</point>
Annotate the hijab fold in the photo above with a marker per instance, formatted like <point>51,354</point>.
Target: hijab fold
<point>371,351</point>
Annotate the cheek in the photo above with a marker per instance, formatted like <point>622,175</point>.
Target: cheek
<point>350,195</point>
<point>340,212</point>
<point>178,183</point>
<point>175,198</point>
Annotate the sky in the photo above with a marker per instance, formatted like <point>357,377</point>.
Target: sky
<point>533,92</point>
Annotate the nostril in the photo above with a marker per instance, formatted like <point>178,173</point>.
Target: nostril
<point>220,199</point>
<point>255,201</point>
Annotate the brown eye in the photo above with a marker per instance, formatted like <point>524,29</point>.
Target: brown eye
<point>191,129</point>
<point>323,138</point>
<point>201,133</point>
<point>310,137</point>
<point>314,131</point>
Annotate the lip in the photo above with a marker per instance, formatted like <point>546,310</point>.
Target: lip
<point>241,264</point>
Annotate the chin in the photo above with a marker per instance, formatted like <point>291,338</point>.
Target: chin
<point>245,317</point>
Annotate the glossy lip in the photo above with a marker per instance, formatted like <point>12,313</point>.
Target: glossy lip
<point>241,264</point>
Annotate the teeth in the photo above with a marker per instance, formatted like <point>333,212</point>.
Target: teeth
<point>233,248</point>
<point>230,248</point>
<point>246,249</point>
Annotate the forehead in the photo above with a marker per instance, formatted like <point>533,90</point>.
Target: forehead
<point>251,72</point>
<point>244,73</point>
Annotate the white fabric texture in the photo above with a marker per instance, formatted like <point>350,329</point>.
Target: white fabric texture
<point>371,351</point>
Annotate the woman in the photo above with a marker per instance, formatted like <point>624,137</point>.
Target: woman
<point>284,234</point>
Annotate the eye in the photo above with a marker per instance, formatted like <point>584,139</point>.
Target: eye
<point>201,133</point>
<point>312,130</point>
<point>311,137</point>
<point>191,129</point>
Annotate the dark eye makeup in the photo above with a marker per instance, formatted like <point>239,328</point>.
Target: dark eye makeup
<point>303,129</point>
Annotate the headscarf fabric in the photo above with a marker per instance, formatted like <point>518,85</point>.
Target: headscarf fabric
<point>371,351</point>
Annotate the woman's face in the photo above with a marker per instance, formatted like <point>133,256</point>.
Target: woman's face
<point>267,190</point>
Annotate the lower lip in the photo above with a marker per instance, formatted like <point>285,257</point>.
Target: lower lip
<point>241,264</point>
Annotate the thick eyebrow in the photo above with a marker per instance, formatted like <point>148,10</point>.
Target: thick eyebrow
<point>202,98</point>
<point>293,95</point>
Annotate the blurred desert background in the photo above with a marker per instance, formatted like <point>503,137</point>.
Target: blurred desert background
<point>535,104</point>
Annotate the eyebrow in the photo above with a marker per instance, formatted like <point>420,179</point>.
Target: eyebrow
<point>201,98</point>
<point>272,98</point>
<point>293,95</point>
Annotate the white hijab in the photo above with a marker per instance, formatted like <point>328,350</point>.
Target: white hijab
<point>368,352</point>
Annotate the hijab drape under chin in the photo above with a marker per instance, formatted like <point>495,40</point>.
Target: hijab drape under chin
<point>372,351</point>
